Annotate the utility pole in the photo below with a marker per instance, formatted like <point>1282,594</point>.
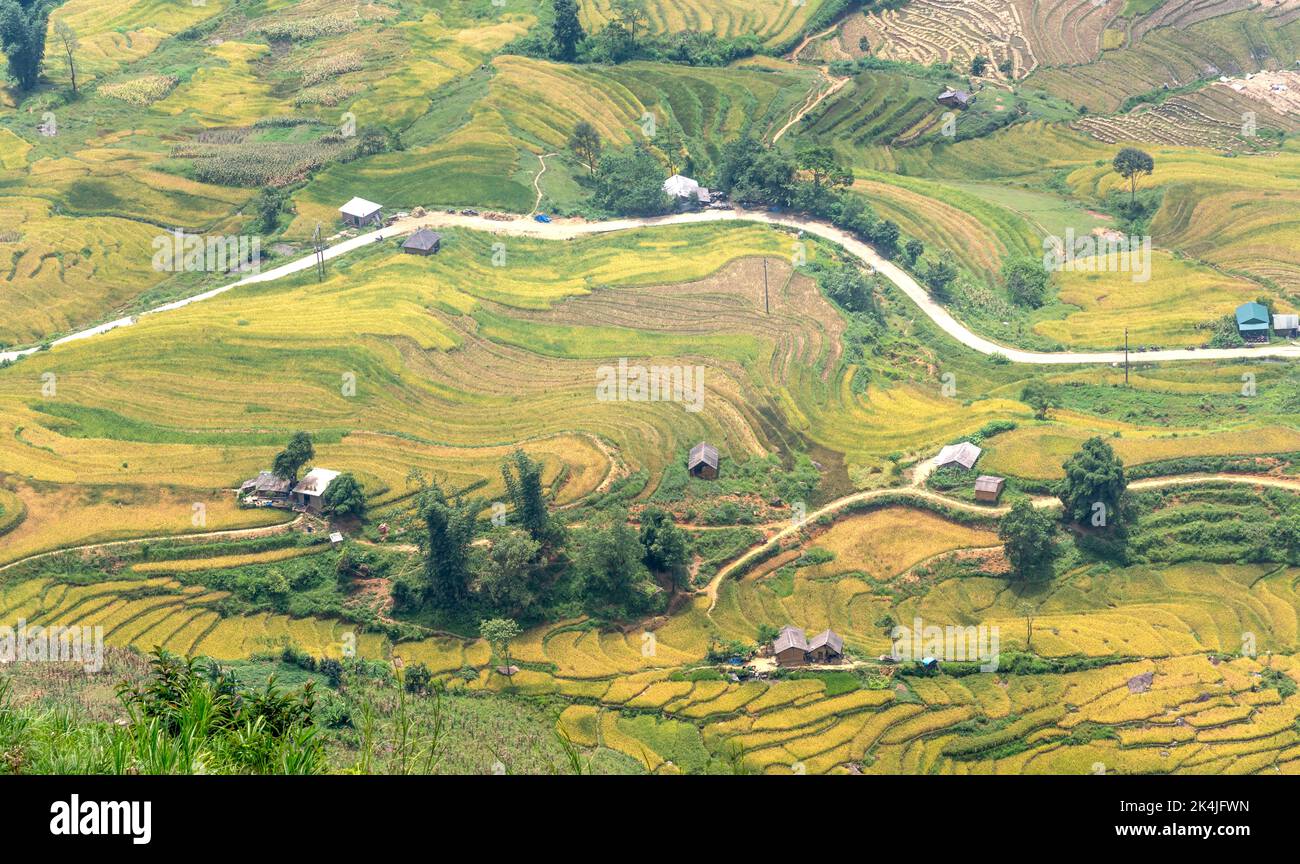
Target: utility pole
<point>319,245</point>
<point>1125,356</point>
<point>766,309</point>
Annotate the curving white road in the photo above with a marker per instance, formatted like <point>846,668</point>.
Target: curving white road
<point>567,229</point>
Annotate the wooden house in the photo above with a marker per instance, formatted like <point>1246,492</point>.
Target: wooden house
<point>423,242</point>
<point>988,488</point>
<point>790,648</point>
<point>266,487</point>
<point>951,98</point>
<point>360,213</point>
<point>826,647</point>
<point>703,461</point>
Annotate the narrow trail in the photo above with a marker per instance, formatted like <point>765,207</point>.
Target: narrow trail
<point>793,56</point>
<point>914,490</point>
<point>836,84</point>
<point>537,181</point>
<point>229,534</point>
<point>568,229</point>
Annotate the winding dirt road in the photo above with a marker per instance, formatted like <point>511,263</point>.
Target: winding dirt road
<point>915,492</point>
<point>814,99</point>
<point>568,229</point>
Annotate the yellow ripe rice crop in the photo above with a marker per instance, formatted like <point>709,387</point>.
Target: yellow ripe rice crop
<point>885,542</point>
<point>219,562</point>
<point>578,723</point>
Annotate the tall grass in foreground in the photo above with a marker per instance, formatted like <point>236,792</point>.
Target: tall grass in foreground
<point>181,720</point>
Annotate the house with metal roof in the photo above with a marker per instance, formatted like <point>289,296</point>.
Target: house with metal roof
<point>423,242</point>
<point>687,190</point>
<point>1286,325</point>
<point>1252,322</point>
<point>955,98</point>
<point>703,461</point>
<point>963,455</point>
<point>266,486</point>
<point>792,648</point>
<point>309,491</point>
<point>359,212</point>
<point>826,647</point>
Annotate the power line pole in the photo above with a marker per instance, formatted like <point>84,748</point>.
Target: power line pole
<point>319,245</point>
<point>1125,356</point>
<point>766,308</point>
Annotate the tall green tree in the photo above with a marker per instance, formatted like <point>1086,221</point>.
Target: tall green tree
<point>344,497</point>
<point>68,41</point>
<point>270,202</point>
<point>939,276</point>
<point>631,15</point>
<point>666,548</point>
<point>585,143</point>
<point>448,531</point>
<point>566,30</point>
<point>631,183</point>
<point>1132,163</point>
<point>1040,396</point>
<point>23,26</point>
<point>824,166</point>
<point>506,575</point>
<point>1026,280</point>
<point>846,285</point>
<point>1093,489</point>
<point>523,479</point>
<point>499,633</point>
<point>297,453</point>
<point>1026,534</point>
<point>672,143</point>
<point>611,569</point>
<point>750,171</point>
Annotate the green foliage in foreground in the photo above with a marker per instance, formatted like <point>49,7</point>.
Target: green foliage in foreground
<point>181,720</point>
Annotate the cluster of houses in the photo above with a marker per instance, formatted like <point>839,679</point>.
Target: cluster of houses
<point>360,213</point>
<point>305,495</point>
<point>1253,323</point>
<point>792,647</point>
<point>988,488</point>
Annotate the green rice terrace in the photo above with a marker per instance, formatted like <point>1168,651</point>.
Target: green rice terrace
<point>650,387</point>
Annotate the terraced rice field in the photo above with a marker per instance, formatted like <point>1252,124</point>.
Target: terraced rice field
<point>1197,716</point>
<point>530,107</point>
<point>1233,213</point>
<point>945,31</point>
<point>63,515</point>
<point>1216,116</point>
<point>878,108</point>
<point>1174,56</point>
<point>159,611</point>
<point>1165,309</point>
<point>441,361</point>
<point>1180,710</point>
<point>773,21</point>
<point>1038,451</point>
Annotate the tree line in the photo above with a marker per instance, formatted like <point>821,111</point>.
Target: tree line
<point>528,565</point>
